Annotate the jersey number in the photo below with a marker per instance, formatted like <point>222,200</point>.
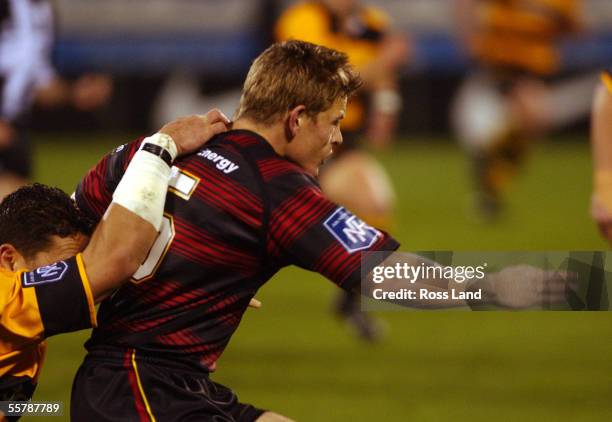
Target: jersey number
<point>157,253</point>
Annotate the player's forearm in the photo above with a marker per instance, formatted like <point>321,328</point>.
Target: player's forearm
<point>408,274</point>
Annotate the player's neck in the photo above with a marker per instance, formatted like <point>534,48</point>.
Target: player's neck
<point>274,133</point>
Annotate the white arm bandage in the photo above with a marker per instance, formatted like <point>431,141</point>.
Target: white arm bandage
<point>142,190</point>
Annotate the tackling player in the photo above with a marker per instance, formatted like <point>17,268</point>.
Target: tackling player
<point>239,210</point>
<point>601,139</point>
<point>40,225</point>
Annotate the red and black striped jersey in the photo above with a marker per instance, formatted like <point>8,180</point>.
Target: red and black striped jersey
<point>236,212</point>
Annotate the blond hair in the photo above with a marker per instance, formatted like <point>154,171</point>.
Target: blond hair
<point>293,73</point>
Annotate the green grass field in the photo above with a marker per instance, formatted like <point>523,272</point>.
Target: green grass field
<point>294,357</point>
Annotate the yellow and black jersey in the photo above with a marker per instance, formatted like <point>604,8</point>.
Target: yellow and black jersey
<point>35,305</point>
<point>606,78</point>
<point>523,34</point>
<point>312,21</point>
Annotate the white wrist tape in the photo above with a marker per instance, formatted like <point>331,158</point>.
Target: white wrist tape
<point>387,101</point>
<point>142,190</point>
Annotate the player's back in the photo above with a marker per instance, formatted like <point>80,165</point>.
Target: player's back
<point>189,295</point>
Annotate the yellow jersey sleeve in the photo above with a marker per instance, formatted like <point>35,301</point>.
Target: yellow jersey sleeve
<point>50,300</point>
<point>606,78</point>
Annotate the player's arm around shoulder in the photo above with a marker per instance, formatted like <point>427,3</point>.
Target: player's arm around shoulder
<point>128,229</point>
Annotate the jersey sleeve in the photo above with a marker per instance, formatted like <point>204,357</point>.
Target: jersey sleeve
<point>308,230</point>
<point>47,301</point>
<point>95,191</point>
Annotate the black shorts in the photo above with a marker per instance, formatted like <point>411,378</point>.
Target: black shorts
<point>17,157</point>
<point>124,386</point>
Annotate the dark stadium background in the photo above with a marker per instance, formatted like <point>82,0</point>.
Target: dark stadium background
<point>292,356</point>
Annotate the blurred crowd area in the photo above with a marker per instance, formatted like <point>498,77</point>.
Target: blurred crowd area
<point>177,47</point>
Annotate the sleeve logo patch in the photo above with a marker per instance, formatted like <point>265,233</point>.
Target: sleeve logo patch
<point>354,234</point>
<point>49,274</point>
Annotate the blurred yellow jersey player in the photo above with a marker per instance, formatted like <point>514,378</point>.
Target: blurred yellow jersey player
<point>34,305</point>
<point>509,97</point>
<point>522,35</point>
<point>354,178</point>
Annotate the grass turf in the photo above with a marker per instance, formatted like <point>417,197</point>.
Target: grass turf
<point>294,357</point>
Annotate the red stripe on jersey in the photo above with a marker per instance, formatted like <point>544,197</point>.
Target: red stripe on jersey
<point>228,197</point>
<point>141,409</point>
<point>242,139</point>
<point>324,264</point>
<point>343,266</point>
<point>346,267</point>
<point>194,243</point>
<point>297,214</point>
<point>140,326</point>
<point>215,177</point>
<point>273,167</point>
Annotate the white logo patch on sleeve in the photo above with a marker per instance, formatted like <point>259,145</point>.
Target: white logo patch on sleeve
<point>353,233</point>
<point>49,274</point>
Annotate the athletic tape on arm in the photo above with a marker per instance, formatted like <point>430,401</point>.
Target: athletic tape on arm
<point>142,190</point>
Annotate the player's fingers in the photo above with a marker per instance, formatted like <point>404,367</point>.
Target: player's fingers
<point>254,303</point>
<point>216,115</point>
<point>217,128</point>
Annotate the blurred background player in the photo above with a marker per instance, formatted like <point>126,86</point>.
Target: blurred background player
<point>601,139</point>
<point>27,76</point>
<point>354,178</point>
<point>508,99</point>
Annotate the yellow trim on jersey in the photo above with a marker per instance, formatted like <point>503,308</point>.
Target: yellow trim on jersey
<point>606,78</point>
<point>91,303</point>
<point>142,393</point>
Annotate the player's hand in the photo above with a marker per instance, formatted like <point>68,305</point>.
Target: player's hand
<point>91,91</point>
<point>602,218</point>
<point>192,132</point>
<point>254,303</point>
<point>525,286</point>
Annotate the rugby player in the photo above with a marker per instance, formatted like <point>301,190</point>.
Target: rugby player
<point>377,52</point>
<point>601,139</point>
<point>240,209</point>
<point>513,93</point>
<point>40,225</point>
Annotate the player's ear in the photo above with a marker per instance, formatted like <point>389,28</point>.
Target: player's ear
<point>9,256</point>
<point>294,121</point>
